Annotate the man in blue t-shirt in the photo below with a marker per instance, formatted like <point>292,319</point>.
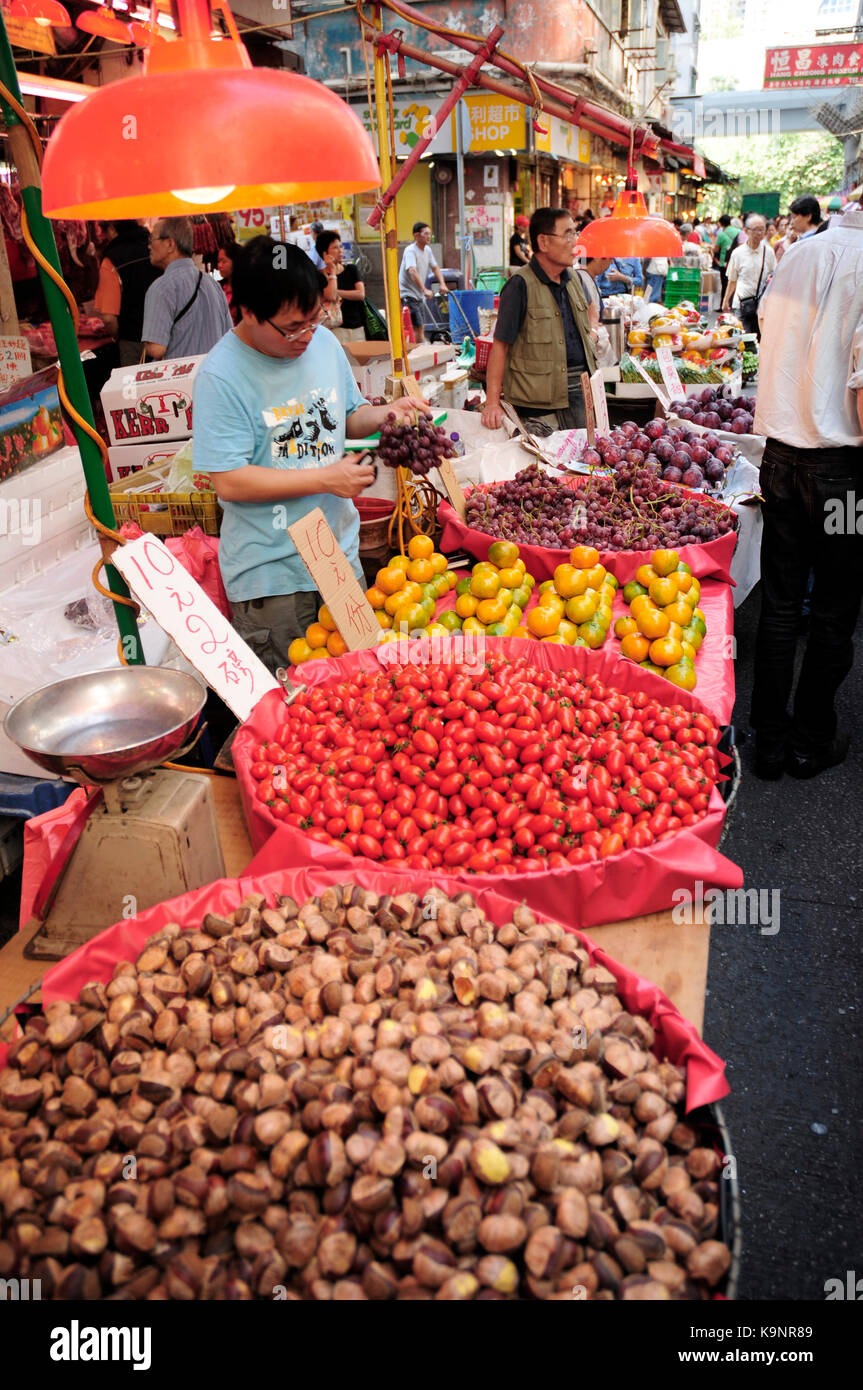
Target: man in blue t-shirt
<point>274,402</point>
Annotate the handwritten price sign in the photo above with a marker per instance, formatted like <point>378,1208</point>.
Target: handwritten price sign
<point>204,636</point>
<point>668,372</point>
<point>330,568</point>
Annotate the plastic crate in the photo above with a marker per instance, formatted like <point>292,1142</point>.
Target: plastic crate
<point>483,348</point>
<point>463,305</point>
<point>175,512</point>
<point>681,283</point>
<point>493,280</point>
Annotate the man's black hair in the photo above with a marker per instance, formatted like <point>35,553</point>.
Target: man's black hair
<point>417,227</point>
<point>725,220</point>
<point>270,274</point>
<point>807,206</point>
<point>324,241</point>
<point>543,222</point>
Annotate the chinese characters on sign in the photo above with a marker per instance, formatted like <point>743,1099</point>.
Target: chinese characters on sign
<point>824,65</point>
<point>14,360</point>
<point>337,584</point>
<point>668,372</point>
<point>494,123</point>
<point>204,636</point>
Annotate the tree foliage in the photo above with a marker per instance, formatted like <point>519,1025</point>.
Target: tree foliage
<point>791,164</point>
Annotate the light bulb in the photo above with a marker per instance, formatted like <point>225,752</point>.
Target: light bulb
<point>203,195</point>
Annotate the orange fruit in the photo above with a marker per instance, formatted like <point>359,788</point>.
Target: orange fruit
<point>688,649</point>
<point>583,557</point>
<point>438,562</point>
<point>581,608</point>
<point>398,562</point>
<point>678,612</point>
<point>317,654</point>
<point>510,578</point>
<point>645,574</point>
<point>665,651</point>
<point>326,618</point>
<point>485,584</point>
<point>664,561</point>
<point>491,610</point>
<point>542,621</point>
<point>336,644</point>
<point>472,625</point>
<point>675,631</point>
<point>420,571</point>
<point>682,674</point>
<point>520,631</point>
<point>376,597</point>
<point>299,651</point>
<point>663,590</point>
<point>555,637</point>
<point>503,553</point>
<point>554,602</point>
<point>635,646</point>
<point>420,547</point>
<point>565,577</point>
<point>316,635</point>
<point>639,604</point>
<point>389,580</point>
<point>383,618</point>
<point>652,623</point>
<point>394,601</point>
<point>568,630</point>
<point>466,605</point>
<point>684,581</point>
<point>693,636</point>
<point>624,627</point>
<point>521,567</point>
<point>596,576</point>
<point>410,617</point>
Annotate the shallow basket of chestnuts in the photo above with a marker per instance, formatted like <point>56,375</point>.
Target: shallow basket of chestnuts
<point>298,1088</point>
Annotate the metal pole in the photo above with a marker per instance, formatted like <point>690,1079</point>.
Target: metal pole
<point>389,230</point>
<point>24,158</point>
<point>459,170</point>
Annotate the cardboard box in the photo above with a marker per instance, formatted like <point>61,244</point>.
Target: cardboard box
<point>152,402</point>
<point>125,459</point>
<point>42,516</point>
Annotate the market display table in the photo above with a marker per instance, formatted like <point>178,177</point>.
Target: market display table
<point>673,956</point>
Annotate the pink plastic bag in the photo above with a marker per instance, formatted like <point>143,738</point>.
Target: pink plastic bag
<point>198,553</point>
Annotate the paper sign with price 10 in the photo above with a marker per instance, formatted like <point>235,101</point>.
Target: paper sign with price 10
<point>330,568</point>
<point>204,636</point>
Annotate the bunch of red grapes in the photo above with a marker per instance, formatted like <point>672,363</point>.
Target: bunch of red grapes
<point>419,446</point>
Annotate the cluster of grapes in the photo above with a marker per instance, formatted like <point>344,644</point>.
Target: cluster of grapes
<point>532,508</point>
<point>632,510</point>
<point>419,446</point>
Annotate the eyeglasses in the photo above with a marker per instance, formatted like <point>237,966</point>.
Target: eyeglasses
<point>564,236</point>
<point>300,332</point>
<point>155,237</point>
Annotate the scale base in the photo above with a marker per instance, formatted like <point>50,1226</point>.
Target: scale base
<point>154,838</point>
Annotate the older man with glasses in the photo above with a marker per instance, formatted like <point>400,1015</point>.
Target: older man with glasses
<point>274,402</point>
<point>185,311</point>
<point>543,339</point>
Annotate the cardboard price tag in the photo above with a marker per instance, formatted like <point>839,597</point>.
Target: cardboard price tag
<point>657,390</point>
<point>668,369</point>
<point>330,568</point>
<point>14,360</point>
<point>600,404</point>
<point>453,487</point>
<point>204,636</point>
<point>589,415</point>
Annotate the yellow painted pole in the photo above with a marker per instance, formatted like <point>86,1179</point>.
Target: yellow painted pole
<point>389,231</point>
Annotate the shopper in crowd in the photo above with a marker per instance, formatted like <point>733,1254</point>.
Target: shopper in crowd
<point>804,217</point>
<point>125,275</point>
<point>274,402</point>
<point>519,246</point>
<point>185,312</point>
<point>543,339</point>
<point>654,278</point>
<point>312,247</point>
<point>225,261</point>
<point>418,262</point>
<point>622,277</point>
<point>781,226</point>
<point>810,408</point>
<point>695,232</point>
<point>350,292</point>
<point>726,238</point>
<point>749,269</point>
<point>691,251</point>
<point>589,274</point>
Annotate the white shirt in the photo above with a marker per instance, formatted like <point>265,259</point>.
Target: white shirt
<point>811,357</point>
<point>418,258</point>
<point>744,266</point>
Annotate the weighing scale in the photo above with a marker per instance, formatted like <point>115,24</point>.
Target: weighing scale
<point>151,832</point>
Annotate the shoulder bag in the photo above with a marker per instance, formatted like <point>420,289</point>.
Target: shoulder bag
<point>749,306</point>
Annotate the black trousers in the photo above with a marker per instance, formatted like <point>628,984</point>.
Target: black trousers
<point>810,522</point>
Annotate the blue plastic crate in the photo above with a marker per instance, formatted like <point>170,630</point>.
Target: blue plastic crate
<point>463,306</point>
<point>31,796</point>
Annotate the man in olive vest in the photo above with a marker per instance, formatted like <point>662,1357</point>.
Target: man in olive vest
<point>543,340</point>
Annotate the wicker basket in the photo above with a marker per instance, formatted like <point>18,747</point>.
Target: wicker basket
<point>176,512</point>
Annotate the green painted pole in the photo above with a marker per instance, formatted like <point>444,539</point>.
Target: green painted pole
<point>24,158</point>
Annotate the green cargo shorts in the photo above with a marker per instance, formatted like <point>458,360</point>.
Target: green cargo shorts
<point>269,625</point>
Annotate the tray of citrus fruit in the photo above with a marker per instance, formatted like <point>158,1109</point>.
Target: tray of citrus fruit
<point>665,626</point>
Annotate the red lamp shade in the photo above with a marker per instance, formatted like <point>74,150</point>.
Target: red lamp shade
<point>629,231</point>
<point>105,24</point>
<point>42,12</point>
<point>143,35</point>
<point>203,130</point>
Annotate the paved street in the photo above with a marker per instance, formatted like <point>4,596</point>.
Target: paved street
<point>784,1011</point>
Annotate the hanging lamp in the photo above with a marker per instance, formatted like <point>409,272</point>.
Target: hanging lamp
<point>630,230</point>
<point>104,23</point>
<point>202,130</point>
<point>41,12</point>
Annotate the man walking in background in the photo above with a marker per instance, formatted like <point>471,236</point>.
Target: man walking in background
<point>185,311</point>
<point>418,262</point>
<point>810,407</point>
<point>750,266</point>
<point>726,239</point>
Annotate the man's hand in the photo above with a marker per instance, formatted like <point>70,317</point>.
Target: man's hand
<point>617,275</point>
<point>345,478</point>
<point>428,292</point>
<point>492,416</point>
<point>406,408</point>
